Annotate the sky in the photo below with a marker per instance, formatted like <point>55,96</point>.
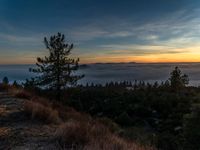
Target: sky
<point>102,30</point>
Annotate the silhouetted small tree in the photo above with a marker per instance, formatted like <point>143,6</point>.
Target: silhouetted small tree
<point>177,79</point>
<point>167,84</point>
<point>15,84</point>
<point>5,80</point>
<point>155,85</point>
<point>56,70</point>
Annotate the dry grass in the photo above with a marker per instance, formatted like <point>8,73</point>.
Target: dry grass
<point>68,113</point>
<point>2,110</point>
<point>92,136</point>
<point>4,132</point>
<point>111,142</point>
<point>22,94</point>
<point>112,126</point>
<point>37,107</point>
<point>76,130</point>
<point>41,112</point>
<point>72,133</point>
<point>19,93</point>
<point>4,87</point>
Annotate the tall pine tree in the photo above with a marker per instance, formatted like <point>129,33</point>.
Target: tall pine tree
<point>56,71</point>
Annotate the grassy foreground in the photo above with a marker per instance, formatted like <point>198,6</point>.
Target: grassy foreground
<point>72,129</point>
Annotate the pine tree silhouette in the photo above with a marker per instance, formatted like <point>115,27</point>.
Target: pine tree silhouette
<point>56,70</point>
<point>177,79</point>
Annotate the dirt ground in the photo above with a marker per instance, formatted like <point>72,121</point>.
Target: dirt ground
<point>18,131</point>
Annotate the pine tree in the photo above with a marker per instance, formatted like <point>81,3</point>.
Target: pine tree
<point>15,84</point>
<point>5,80</point>
<point>177,79</point>
<point>56,71</point>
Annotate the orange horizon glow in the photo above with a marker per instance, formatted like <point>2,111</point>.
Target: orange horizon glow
<point>190,57</point>
<point>156,58</point>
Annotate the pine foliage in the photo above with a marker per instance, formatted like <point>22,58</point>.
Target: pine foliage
<point>56,71</point>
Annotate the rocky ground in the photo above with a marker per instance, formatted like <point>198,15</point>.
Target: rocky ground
<point>18,131</point>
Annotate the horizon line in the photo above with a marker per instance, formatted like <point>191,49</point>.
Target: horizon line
<point>112,63</point>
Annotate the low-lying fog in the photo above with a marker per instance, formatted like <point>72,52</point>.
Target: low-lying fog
<point>102,73</point>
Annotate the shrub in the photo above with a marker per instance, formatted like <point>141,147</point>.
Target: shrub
<point>124,119</point>
<point>167,141</point>
<point>139,134</point>
<point>191,128</point>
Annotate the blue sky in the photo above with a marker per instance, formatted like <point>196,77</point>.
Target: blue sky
<point>102,31</point>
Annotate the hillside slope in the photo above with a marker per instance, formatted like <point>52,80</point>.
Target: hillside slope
<point>17,131</point>
<point>33,123</point>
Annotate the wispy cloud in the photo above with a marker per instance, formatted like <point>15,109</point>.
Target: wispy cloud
<point>141,49</point>
<point>15,38</point>
<point>177,29</point>
<point>175,33</point>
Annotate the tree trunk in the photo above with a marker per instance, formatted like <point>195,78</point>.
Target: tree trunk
<point>58,88</point>
<point>58,94</point>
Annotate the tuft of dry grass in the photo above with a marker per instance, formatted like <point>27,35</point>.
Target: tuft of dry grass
<point>112,126</point>
<point>19,93</point>
<point>92,136</point>
<point>37,107</point>
<point>23,94</point>
<point>4,87</point>
<point>72,133</point>
<point>2,110</point>
<point>4,132</point>
<point>41,112</point>
<point>68,113</point>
